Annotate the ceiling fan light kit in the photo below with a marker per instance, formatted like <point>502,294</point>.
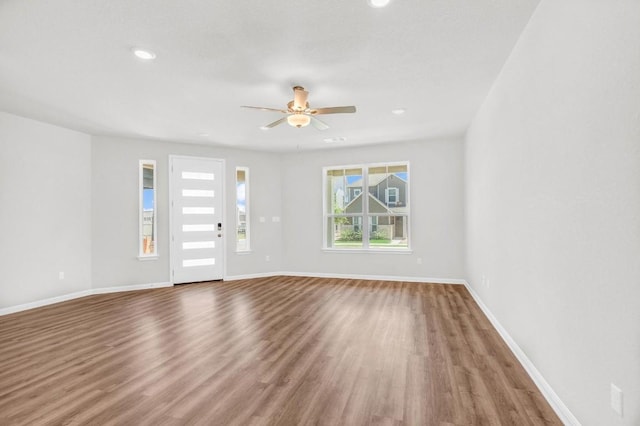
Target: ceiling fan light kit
<point>299,114</point>
<point>298,120</point>
<point>378,3</point>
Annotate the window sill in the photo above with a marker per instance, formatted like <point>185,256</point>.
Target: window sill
<point>243,252</point>
<point>148,258</point>
<point>373,251</point>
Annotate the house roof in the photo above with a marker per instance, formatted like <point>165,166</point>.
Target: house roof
<point>381,206</point>
<point>374,180</point>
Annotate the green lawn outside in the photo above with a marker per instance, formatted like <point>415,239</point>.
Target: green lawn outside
<point>378,243</point>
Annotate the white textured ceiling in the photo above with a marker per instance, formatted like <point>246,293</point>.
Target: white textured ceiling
<point>69,62</point>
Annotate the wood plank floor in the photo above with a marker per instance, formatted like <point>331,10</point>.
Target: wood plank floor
<point>280,350</point>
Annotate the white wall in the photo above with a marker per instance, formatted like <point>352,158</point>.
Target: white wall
<point>115,210</point>
<point>45,211</point>
<point>437,217</point>
<point>553,202</point>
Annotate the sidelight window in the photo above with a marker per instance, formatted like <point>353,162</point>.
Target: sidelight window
<point>147,241</point>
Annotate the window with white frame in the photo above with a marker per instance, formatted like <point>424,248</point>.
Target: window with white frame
<point>391,196</point>
<point>147,240</point>
<point>366,207</point>
<point>242,209</point>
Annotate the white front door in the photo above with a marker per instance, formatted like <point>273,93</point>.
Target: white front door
<point>197,228</point>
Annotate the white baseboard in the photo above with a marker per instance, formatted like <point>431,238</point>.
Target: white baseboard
<point>374,277</point>
<point>345,276</point>
<point>552,398</point>
<point>78,294</point>
<point>252,276</point>
<point>44,302</point>
<point>134,287</point>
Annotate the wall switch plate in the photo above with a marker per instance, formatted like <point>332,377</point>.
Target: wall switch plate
<point>61,275</point>
<point>267,258</point>
<point>616,399</point>
<point>262,219</point>
<point>275,219</point>
<point>419,261</point>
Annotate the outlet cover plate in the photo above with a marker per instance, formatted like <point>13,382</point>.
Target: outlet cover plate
<point>616,399</point>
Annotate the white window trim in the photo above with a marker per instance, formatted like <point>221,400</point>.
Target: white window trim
<point>371,250</point>
<point>387,191</point>
<point>365,209</point>
<point>142,256</point>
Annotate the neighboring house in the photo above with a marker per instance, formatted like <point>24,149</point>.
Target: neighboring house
<point>390,190</point>
<point>241,221</point>
<point>147,231</point>
<point>387,196</point>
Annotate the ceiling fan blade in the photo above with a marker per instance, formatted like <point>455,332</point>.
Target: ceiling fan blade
<point>334,110</point>
<point>300,98</point>
<point>275,123</point>
<point>265,109</point>
<point>318,124</point>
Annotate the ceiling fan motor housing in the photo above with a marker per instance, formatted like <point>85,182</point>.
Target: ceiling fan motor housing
<point>292,108</point>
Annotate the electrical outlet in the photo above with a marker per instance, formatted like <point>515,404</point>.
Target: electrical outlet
<point>616,399</point>
<point>61,275</point>
<point>485,281</point>
<point>419,261</point>
<point>267,258</point>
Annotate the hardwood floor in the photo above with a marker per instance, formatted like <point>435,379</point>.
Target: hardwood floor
<point>281,350</point>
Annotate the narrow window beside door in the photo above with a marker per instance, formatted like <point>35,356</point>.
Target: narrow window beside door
<point>148,242</point>
<point>242,209</point>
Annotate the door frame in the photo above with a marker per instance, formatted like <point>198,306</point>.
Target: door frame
<point>171,219</point>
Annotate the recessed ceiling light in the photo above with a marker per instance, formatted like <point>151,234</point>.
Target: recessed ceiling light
<point>204,135</point>
<point>398,111</point>
<point>378,3</point>
<point>147,55</point>
<point>336,139</point>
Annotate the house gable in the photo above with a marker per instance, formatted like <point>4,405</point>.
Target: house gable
<point>375,205</point>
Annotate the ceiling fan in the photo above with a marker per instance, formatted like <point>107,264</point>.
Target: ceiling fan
<point>300,115</point>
